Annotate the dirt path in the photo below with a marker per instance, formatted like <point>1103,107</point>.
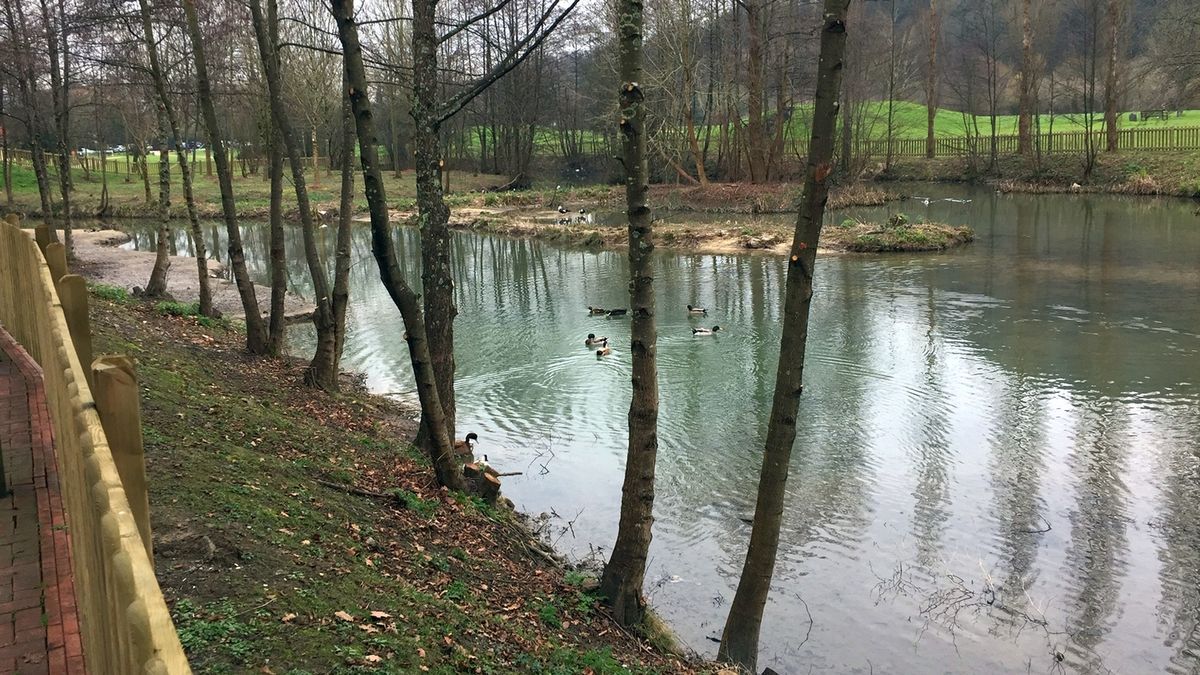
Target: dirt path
<point>102,260</point>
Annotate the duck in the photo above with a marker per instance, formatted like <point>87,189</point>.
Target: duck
<point>562,209</point>
<point>705,331</point>
<point>596,310</point>
<point>592,340</point>
<point>603,351</point>
<point>582,211</point>
<point>697,310</point>
<point>1076,187</point>
<point>618,312</point>
<point>466,446</point>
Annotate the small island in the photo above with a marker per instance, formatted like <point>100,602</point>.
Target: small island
<point>898,234</point>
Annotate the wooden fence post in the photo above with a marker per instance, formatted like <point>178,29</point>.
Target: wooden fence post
<point>116,395</point>
<point>73,294</point>
<point>56,259</point>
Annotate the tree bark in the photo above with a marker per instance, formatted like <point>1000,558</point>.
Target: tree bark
<point>739,641</point>
<point>277,328</point>
<point>341,265</point>
<point>27,84</point>
<point>322,369</point>
<point>1113,20</point>
<point>756,141</point>
<point>434,215</point>
<point>1027,82</point>
<point>6,166</point>
<point>59,88</point>
<point>256,331</point>
<point>931,80</point>
<point>441,448</point>
<point>156,287</point>
<point>159,78</point>
<point>624,575</point>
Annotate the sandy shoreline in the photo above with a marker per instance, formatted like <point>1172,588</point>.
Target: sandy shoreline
<point>99,254</point>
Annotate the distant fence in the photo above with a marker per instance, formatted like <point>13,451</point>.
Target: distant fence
<point>1164,138</point>
<point>125,165</point>
<point>126,626</point>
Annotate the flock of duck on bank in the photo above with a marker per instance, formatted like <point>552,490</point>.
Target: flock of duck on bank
<point>601,342</point>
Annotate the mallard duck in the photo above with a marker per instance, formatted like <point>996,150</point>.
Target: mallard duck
<point>705,331</point>
<point>618,312</point>
<point>597,310</point>
<point>603,351</point>
<point>467,445</point>
<point>592,340</point>
<point>697,310</point>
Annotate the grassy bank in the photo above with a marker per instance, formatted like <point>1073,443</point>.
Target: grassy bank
<point>1138,173</point>
<point>127,198</point>
<point>297,532</point>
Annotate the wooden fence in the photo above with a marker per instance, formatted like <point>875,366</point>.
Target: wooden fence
<point>1161,138</point>
<point>125,624</point>
<point>125,165</point>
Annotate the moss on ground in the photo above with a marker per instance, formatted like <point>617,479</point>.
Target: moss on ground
<point>272,563</point>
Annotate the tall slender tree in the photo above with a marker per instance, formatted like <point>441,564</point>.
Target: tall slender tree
<point>159,76</point>
<point>624,575</point>
<point>1112,21</point>
<point>322,371</point>
<point>1027,83</point>
<point>440,447</point>
<point>934,26</point>
<point>55,27</point>
<point>256,331</point>
<point>157,285</point>
<point>739,642</point>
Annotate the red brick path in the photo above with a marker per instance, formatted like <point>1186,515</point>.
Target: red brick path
<point>39,626</point>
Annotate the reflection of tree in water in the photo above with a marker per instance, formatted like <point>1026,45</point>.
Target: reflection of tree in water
<point>930,454</point>
<point>1178,527</point>
<point>1095,558</point>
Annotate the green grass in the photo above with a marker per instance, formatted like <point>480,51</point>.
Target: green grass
<point>261,562</point>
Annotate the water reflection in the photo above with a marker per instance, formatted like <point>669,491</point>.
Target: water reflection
<point>998,459</point>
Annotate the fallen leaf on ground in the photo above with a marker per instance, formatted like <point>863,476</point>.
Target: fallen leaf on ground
<point>344,616</point>
<point>289,617</point>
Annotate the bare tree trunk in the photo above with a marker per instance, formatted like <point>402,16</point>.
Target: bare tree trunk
<point>624,575</point>
<point>256,332</point>
<point>185,173</point>
<point>322,370</point>
<point>1113,20</point>
<point>6,165</point>
<point>341,265</point>
<point>756,143</point>
<point>59,89</point>
<point>1027,82</point>
<point>156,287</point>
<point>931,80</point>
<point>277,329</point>
<point>449,473</point>
<point>144,170</point>
<point>436,281</point>
<point>739,642</point>
<point>27,84</point>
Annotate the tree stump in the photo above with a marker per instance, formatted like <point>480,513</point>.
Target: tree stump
<point>483,481</point>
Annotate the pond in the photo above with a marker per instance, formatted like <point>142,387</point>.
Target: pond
<point>998,459</point>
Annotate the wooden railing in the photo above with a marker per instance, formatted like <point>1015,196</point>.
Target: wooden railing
<point>125,624</point>
<point>1147,138</point>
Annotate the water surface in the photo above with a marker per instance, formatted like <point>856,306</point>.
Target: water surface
<point>997,466</point>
